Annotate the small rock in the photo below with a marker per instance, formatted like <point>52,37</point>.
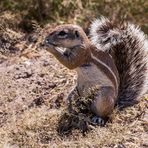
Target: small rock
<point>36,102</point>
<point>26,74</point>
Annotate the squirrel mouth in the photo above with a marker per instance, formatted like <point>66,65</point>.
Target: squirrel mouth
<point>47,42</point>
<point>53,44</point>
<point>50,44</point>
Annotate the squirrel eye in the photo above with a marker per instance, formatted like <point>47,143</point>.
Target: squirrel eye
<point>77,34</point>
<point>62,33</point>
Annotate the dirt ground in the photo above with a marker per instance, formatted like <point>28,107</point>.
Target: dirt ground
<point>33,89</point>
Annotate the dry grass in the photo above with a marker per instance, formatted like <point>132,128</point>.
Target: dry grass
<point>33,89</point>
<point>27,122</point>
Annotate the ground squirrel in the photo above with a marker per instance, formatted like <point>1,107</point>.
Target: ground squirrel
<point>115,58</point>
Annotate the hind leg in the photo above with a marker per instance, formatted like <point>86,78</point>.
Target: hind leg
<point>103,104</point>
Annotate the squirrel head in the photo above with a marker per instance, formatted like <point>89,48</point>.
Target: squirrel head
<point>66,36</point>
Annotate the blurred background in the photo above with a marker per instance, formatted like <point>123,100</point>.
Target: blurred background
<point>26,14</point>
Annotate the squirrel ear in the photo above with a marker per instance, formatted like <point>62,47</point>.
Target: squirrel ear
<point>77,35</point>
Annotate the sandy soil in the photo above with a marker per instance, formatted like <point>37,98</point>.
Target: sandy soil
<point>33,89</point>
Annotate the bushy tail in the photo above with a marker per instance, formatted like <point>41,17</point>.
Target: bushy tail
<point>129,47</point>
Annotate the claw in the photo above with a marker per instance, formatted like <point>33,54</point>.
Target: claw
<point>98,121</point>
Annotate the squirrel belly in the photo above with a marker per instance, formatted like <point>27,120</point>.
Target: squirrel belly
<point>128,46</point>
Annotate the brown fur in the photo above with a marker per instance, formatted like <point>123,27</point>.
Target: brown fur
<point>79,52</point>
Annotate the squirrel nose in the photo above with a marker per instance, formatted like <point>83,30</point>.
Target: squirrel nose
<point>47,40</point>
